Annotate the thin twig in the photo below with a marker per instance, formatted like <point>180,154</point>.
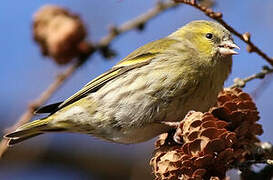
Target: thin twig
<point>242,82</point>
<point>60,79</point>
<point>138,22</point>
<point>264,84</point>
<point>217,16</point>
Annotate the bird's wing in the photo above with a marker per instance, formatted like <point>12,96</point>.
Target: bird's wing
<point>48,108</point>
<point>140,57</point>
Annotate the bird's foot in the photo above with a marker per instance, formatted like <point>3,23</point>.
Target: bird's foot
<point>177,137</point>
<point>175,125</point>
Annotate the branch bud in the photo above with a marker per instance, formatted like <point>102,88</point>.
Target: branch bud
<point>246,36</point>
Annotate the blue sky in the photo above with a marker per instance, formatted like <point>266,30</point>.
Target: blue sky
<point>24,73</point>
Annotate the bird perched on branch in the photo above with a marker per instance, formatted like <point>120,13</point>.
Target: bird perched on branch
<point>157,83</point>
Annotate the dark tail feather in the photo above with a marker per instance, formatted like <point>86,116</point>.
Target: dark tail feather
<point>30,130</point>
<point>36,128</point>
<point>17,140</point>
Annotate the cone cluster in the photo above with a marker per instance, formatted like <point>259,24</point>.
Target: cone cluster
<point>212,141</point>
<point>59,33</point>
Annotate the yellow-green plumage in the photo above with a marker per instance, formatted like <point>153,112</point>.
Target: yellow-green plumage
<point>160,81</point>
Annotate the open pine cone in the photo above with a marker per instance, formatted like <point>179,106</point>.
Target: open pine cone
<point>59,33</point>
<point>213,141</point>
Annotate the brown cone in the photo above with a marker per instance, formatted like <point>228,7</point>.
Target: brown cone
<point>59,33</point>
<point>212,140</point>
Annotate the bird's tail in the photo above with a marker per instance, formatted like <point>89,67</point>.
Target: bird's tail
<point>30,130</point>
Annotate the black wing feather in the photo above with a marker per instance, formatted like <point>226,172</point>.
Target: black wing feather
<point>51,108</point>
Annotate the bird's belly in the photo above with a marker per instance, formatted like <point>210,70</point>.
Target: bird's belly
<point>137,135</point>
<point>134,123</point>
<point>142,129</point>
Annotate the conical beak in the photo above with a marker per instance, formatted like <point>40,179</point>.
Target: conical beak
<point>226,48</point>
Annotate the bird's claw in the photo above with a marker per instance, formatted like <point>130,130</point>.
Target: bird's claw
<point>177,137</point>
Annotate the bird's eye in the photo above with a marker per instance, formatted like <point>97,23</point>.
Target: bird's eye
<point>209,35</point>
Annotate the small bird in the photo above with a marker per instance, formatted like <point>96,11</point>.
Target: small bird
<point>157,83</point>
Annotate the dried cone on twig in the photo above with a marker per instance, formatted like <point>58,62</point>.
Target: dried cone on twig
<point>59,33</point>
<point>238,109</point>
<point>213,141</point>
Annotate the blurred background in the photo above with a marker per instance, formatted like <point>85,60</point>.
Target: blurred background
<point>24,74</point>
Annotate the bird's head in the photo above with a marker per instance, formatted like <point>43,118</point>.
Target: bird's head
<point>208,38</point>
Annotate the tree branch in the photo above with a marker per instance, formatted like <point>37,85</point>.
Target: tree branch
<point>238,82</point>
<point>136,23</point>
<point>60,79</point>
